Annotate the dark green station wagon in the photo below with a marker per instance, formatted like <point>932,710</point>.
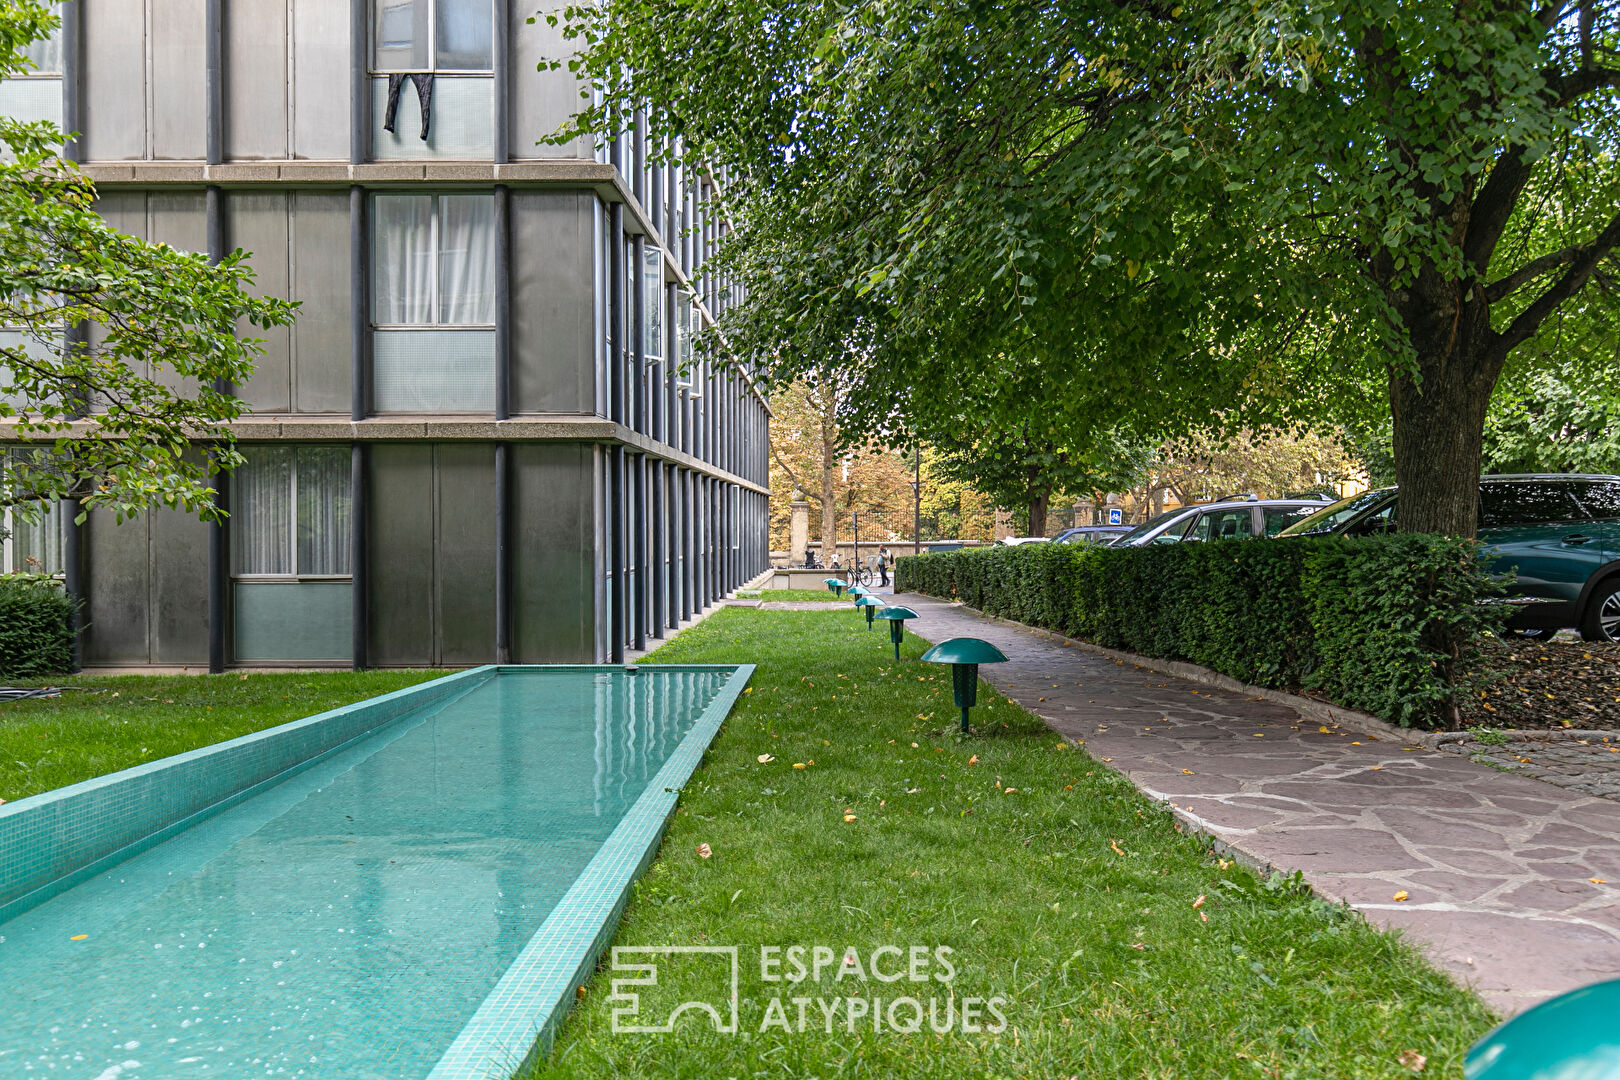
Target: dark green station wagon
<point>1559,532</point>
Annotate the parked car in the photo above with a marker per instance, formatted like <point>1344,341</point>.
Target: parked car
<point>1560,532</point>
<point>1014,541</point>
<point>1091,534</point>
<point>1229,519</point>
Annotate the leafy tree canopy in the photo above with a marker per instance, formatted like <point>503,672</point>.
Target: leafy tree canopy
<point>1159,212</point>
<point>117,353</point>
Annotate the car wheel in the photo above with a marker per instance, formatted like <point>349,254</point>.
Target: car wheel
<point>1602,620</point>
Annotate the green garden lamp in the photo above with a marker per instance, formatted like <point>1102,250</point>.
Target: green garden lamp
<point>871,604</point>
<point>858,590</point>
<point>835,586</point>
<point>964,654</point>
<point>1572,1035</point>
<point>897,617</point>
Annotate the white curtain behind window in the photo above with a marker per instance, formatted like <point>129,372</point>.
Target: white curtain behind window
<point>323,510</point>
<point>653,302</point>
<point>261,511</point>
<point>47,54</point>
<point>467,259</point>
<point>402,260</point>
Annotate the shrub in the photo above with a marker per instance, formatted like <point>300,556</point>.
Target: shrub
<point>1382,624</point>
<point>36,627</point>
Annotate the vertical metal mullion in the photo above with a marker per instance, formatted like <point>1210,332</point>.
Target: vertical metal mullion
<point>502,67</point>
<point>359,305</point>
<point>503,556</point>
<point>503,304</point>
<point>214,226</point>
<point>616,314</point>
<point>616,523</point>
<point>359,80</point>
<point>72,55</point>
<point>213,81</point>
<point>638,520</point>
<point>437,317</point>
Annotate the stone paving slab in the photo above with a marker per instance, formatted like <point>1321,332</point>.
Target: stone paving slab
<point>1588,766</point>
<point>1497,867</point>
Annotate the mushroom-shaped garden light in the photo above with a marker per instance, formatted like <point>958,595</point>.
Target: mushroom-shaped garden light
<point>871,604</point>
<point>834,586</point>
<point>1572,1035</point>
<point>964,654</point>
<point>897,617</point>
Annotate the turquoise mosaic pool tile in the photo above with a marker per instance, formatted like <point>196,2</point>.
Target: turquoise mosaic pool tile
<point>53,840</point>
<point>521,1015</point>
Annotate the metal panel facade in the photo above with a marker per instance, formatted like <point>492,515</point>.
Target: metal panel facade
<point>554,554</point>
<point>114,73</point>
<point>179,597</point>
<point>320,79</point>
<point>116,585</point>
<point>320,279</point>
<point>176,55</point>
<point>464,552</point>
<point>257,222</point>
<point>400,531</point>
<point>541,100</point>
<point>256,91</point>
<point>553,323</point>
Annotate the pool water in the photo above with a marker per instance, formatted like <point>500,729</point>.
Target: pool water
<point>347,921</point>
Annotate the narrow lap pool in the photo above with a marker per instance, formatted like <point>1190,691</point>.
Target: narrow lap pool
<point>419,901</point>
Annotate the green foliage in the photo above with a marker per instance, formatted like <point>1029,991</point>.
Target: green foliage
<point>1382,624</point>
<point>161,345</point>
<point>1143,217</point>
<point>36,627</point>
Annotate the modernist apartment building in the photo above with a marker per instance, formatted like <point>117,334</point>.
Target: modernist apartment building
<point>475,444</point>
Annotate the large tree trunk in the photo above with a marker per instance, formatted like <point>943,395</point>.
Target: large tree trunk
<point>829,475</point>
<point>1440,416</point>
<point>1039,498</point>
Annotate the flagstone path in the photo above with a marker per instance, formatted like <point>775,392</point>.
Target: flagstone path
<point>1497,868</point>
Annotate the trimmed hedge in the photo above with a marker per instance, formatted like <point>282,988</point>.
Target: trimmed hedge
<point>36,627</point>
<point>1386,624</point>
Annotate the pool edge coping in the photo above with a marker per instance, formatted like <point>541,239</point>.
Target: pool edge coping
<point>518,1020</point>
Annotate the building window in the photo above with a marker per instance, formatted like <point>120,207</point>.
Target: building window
<point>434,35</point>
<point>31,533</point>
<point>290,532</point>
<point>433,303</point>
<point>290,512</point>
<point>652,279</point>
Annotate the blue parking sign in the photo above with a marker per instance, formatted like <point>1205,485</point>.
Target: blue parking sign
<point>1116,516</point>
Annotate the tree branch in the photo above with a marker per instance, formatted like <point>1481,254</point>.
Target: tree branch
<point>1581,265</point>
<point>794,476</point>
<point>1493,207</point>
<point>1505,287</point>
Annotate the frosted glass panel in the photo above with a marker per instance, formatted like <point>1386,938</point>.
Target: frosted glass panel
<point>30,100</point>
<point>433,371</point>
<point>47,54</point>
<point>462,127</point>
<point>293,620</point>
<point>36,546</point>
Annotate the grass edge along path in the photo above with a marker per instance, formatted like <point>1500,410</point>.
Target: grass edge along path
<point>118,721</point>
<point>1121,947</point>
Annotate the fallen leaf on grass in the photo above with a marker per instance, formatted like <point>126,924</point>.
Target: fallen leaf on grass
<point>1115,846</point>
<point>798,764</point>
<point>849,817</point>
<point>1224,864</point>
<point>1411,1059</point>
<point>974,760</point>
<point>765,759</point>
<point>704,851</point>
<point>1198,903</point>
<point>1400,895</point>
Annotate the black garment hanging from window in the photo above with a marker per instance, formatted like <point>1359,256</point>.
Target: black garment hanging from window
<point>423,81</point>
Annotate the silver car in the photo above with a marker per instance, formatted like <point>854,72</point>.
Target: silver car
<point>1228,519</point>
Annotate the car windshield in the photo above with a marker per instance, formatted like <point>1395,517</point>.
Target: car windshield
<point>1330,518</point>
<point>1148,526</point>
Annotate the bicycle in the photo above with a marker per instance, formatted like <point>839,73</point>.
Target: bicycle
<point>860,575</point>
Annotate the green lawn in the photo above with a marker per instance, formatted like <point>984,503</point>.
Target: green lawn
<point>114,722</point>
<point>1072,897</point>
<point>798,595</point>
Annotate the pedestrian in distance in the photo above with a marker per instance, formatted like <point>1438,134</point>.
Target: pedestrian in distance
<point>883,566</point>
